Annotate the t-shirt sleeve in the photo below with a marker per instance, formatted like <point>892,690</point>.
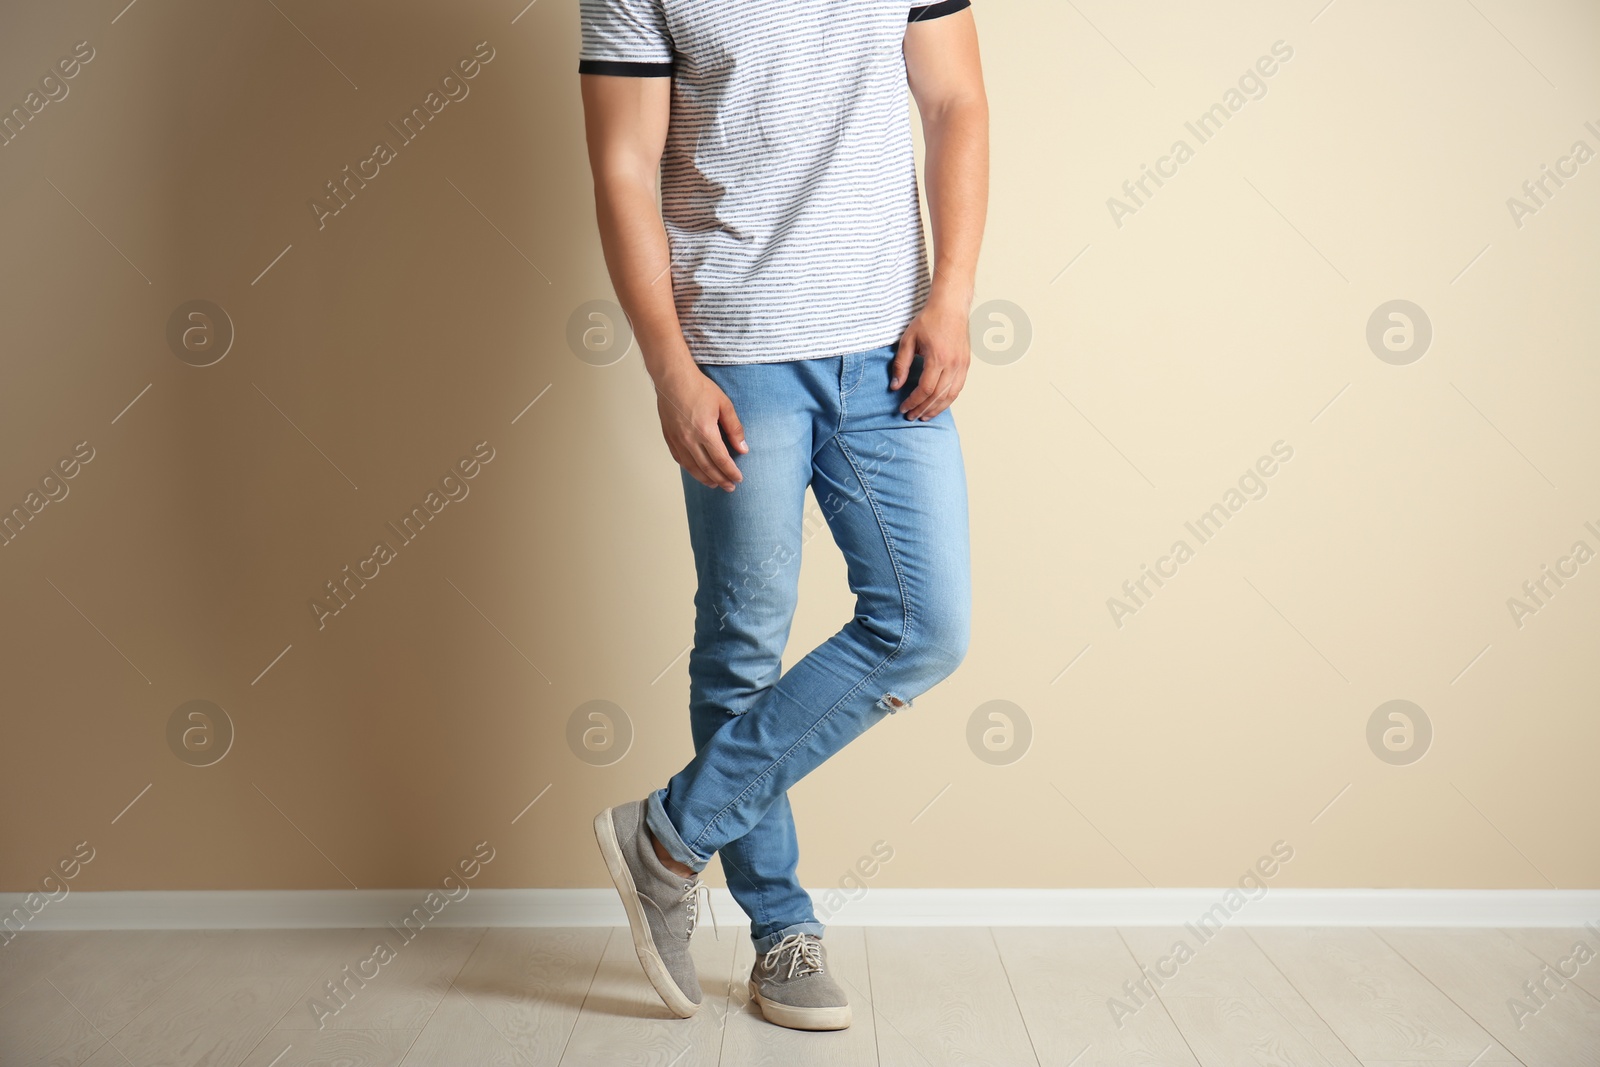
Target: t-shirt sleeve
<point>626,37</point>
<point>925,12</point>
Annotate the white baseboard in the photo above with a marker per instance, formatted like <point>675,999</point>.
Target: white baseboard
<point>275,909</point>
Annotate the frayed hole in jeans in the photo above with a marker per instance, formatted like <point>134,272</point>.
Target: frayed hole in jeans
<point>891,703</point>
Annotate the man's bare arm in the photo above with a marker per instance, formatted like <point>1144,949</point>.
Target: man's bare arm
<point>625,120</point>
<point>946,79</point>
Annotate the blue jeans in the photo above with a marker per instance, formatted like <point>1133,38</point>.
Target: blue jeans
<point>893,492</point>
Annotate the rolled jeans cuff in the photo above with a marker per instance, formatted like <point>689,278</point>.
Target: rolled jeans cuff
<point>655,817</point>
<point>763,944</point>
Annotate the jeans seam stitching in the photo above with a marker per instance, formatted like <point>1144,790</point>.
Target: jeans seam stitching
<point>821,719</point>
<point>908,609</point>
<point>907,612</point>
<point>861,372</point>
<point>844,399</point>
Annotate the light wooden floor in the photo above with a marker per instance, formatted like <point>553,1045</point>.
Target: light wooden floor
<point>1329,997</point>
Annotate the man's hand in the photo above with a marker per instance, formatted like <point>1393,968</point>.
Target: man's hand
<point>939,334</point>
<point>699,424</point>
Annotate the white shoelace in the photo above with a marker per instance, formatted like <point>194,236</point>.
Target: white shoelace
<point>691,900</point>
<point>806,958</point>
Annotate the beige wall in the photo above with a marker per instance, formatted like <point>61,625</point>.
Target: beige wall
<point>1227,313</point>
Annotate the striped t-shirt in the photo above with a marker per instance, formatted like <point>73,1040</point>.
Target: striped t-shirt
<point>788,178</point>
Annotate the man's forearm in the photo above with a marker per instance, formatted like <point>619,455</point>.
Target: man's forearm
<point>637,257</point>
<point>957,139</point>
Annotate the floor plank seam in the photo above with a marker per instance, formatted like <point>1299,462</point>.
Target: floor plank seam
<point>1536,954</point>
<point>1488,1033</point>
<point>1303,998</point>
<point>588,991</point>
<point>1156,992</point>
<point>872,1013</point>
<point>1026,1029</point>
<point>467,958</point>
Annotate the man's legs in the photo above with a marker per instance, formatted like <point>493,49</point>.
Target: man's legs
<point>894,494</point>
<point>747,560</point>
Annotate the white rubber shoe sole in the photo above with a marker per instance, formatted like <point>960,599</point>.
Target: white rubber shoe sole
<point>655,969</point>
<point>801,1018</point>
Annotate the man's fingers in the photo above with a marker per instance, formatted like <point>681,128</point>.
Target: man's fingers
<point>927,388</point>
<point>949,396</point>
<point>686,451</point>
<point>690,464</point>
<point>935,405</point>
<point>939,405</point>
<point>901,366</point>
<point>714,455</point>
<point>731,426</point>
<point>707,471</point>
<point>944,394</point>
<point>719,464</point>
<point>928,410</point>
<point>708,477</point>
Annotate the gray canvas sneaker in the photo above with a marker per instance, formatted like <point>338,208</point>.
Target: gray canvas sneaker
<point>792,985</point>
<point>662,906</point>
